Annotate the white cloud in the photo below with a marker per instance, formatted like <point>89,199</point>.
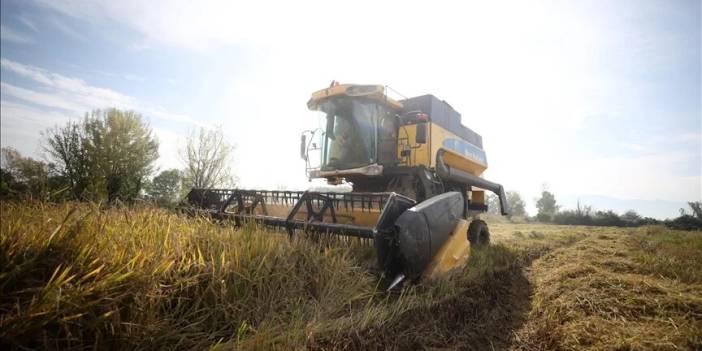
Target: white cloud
<point>683,138</point>
<point>18,110</point>
<point>66,29</point>
<point>196,25</point>
<point>9,34</point>
<point>20,125</point>
<point>28,23</point>
<point>42,99</point>
<point>169,145</point>
<point>75,95</point>
<point>295,55</point>
<point>524,75</point>
<point>134,78</point>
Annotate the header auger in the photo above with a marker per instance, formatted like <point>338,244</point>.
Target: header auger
<point>415,173</point>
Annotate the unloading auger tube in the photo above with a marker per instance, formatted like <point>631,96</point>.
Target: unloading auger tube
<point>406,236</point>
<point>456,175</point>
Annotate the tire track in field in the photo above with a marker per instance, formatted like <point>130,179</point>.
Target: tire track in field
<point>483,316</point>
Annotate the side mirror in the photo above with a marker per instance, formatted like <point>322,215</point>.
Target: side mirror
<point>421,134</point>
<point>303,147</point>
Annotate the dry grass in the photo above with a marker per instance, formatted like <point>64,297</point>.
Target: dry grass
<point>76,277</point>
<point>617,289</point>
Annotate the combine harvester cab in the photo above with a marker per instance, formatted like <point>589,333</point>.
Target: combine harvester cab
<point>416,176</point>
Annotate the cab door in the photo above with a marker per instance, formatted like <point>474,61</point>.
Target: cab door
<point>387,138</point>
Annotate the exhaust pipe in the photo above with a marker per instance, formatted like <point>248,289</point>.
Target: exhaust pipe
<point>456,175</point>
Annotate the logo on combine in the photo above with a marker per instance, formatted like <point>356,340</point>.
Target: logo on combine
<point>466,149</point>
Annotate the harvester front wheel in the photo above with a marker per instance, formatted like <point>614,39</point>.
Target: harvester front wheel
<point>478,233</point>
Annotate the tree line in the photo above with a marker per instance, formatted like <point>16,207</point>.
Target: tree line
<point>548,211</point>
<point>109,156</point>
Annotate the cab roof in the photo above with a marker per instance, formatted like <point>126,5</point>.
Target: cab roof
<point>374,92</point>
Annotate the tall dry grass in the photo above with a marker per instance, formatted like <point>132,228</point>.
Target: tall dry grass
<point>75,275</point>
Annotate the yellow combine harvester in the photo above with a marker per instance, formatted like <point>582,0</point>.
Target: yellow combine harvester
<point>415,173</point>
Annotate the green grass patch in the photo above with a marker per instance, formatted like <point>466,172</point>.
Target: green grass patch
<point>669,253</point>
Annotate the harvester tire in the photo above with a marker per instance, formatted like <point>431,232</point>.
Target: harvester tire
<point>478,233</point>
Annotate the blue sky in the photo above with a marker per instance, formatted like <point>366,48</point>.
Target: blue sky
<point>600,100</point>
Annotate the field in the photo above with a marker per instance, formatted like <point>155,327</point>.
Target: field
<point>75,276</point>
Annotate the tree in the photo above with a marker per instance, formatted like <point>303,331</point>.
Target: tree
<point>583,211</point>
<point>122,151</point>
<point>546,206</point>
<point>23,176</point>
<point>516,204</point>
<point>631,217</point>
<point>696,207</point>
<point>165,187</point>
<point>493,204</point>
<point>109,154</point>
<point>207,158</point>
<point>8,185</point>
<point>608,219</point>
<point>686,221</point>
<point>65,146</point>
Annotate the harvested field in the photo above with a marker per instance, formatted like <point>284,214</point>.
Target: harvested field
<point>77,276</point>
